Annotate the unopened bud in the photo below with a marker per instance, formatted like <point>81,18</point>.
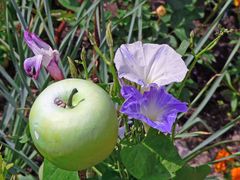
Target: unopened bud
<point>236,3</point>
<point>161,11</point>
<point>191,39</point>
<point>72,67</point>
<point>109,35</point>
<point>83,54</point>
<point>92,39</point>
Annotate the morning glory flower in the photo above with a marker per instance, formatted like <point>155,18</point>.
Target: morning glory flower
<point>44,56</point>
<point>155,107</point>
<point>145,64</point>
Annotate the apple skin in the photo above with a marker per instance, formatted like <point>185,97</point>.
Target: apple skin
<point>74,138</point>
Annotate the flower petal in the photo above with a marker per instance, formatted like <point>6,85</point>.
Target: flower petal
<point>129,61</point>
<point>155,107</point>
<point>131,106</point>
<point>49,57</point>
<point>130,91</point>
<point>121,132</point>
<point>35,43</point>
<point>54,70</point>
<point>39,47</point>
<point>32,66</point>
<point>164,64</point>
<point>149,63</point>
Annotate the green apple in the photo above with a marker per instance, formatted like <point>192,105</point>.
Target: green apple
<point>78,136</point>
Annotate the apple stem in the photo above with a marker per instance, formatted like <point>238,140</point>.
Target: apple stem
<point>69,103</point>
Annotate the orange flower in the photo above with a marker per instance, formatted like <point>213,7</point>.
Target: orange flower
<point>221,167</point>
<point>235,173</point>
<point>222,153</point>
<point>161,11</point>
<point>236,3</point>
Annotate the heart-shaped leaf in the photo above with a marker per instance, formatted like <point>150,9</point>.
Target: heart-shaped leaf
<point>50,171</point>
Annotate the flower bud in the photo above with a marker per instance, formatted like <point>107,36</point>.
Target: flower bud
<point>109,35</point>
<point>92,39</point>
<point>161,11</point>
<point>72,67</point>
<point>236,3</point>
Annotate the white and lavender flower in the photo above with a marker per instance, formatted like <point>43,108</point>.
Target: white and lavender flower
<point>145,64</point>
<point>155,107</point>
<point>44,56</point>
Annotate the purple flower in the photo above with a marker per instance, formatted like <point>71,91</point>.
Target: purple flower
<point>44,56</point>
<point>121,132</point>
<point>154,107</point>
<point>145,64</point>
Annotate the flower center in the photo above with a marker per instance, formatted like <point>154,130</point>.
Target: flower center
<point>151,111</point>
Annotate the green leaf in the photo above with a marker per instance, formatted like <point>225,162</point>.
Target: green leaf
<point>181,33</point>
<point>183,47</point>
<point>72,67</point>
<point>155,157</point>
<point>234,102</point>
<point>142,163</point>
<point>28,177</point>
<point>52,172</point>
<point>26,137</point>
<point>111,175</point>
<point>198,173</point>
<point>69,4</point>
<point>165,149</point>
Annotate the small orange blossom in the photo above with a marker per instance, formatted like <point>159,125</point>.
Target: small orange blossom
<point>236,3</point>
<point>221,167</point>
<point>161,11</point>
<point>235,173</point>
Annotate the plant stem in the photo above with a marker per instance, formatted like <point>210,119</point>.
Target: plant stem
<point>96,48</point>
<point>189,158</point>
<point>83,58</point>
<point>97,171</point>
<point>108,62</point>
<point>196,58</point>
<point>116,86</point>
<point>69,103</point>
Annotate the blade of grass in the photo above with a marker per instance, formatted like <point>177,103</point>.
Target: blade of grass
<point>232,156</point>
<point>140,23</point>
<point>49,17</point>
<point>212,138</point>
<point>29,12</point>
<point>192,134</point>
<point>206,36</point>
<point>23,156</point>
<point>210,30</point>
<point>19,14</point>
<point>206,148</point>
<point>80,17</point>
<point>49,34</point>
<point>7,96</point>
<point>7,115</point>
<point>23,5</point>
<point>8,78</point>
<point>103,69</point>
<point>132,22</point>
<point>211,90</point>
<point>70,36</point>
<point>122,18</point>
<point>18,69</point>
